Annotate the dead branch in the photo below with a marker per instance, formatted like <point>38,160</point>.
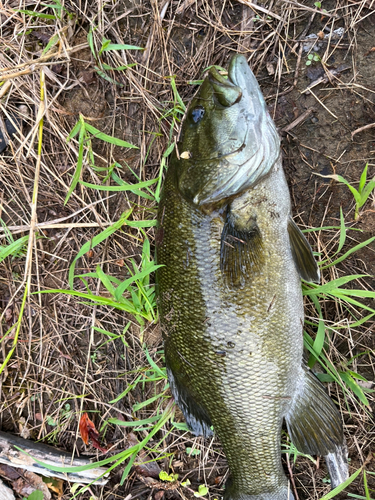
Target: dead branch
<point>11,456</point>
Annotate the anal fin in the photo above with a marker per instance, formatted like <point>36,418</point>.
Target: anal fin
<point>313,421</point>
<point>302,254</point>
<point>193,409</point>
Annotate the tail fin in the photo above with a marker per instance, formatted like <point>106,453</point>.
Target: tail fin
<point>337,465</point>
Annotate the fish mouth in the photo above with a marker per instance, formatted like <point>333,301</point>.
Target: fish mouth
<point>228,93</point>
<point>241,85</point>
<point>240,74</point>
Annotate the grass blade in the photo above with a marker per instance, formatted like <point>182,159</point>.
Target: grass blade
<point>121,46</point>
<point>341,487</point>
<point>357,389</point>
<point>363,179</point>
<point>13,248</point>
<point>78,169</point>
<point>108,138</point>
<point>95,241</point>
<point>349,252</point>
<point>330,286</point>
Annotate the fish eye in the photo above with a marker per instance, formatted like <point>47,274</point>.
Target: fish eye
<point>197,113</point>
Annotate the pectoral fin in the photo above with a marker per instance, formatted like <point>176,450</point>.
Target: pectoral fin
<point>313,421</point>
<point>241,252</point>
<point>302,254</point>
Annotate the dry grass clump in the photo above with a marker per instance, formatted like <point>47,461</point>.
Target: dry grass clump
<point>57,69</point>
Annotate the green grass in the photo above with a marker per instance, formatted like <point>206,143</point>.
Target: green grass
<point>86,133</point>
<point>14,248</point>
<point>362,194</point>
<point>348,299</point>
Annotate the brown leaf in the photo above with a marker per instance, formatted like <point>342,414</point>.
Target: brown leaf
<point>88,432</point>
<point>84,427</point>
<point>150,469</point>
<point>131,440</point>
<point>9,472</point>
<point>55,485</point>
<point>159,495</point>
<point>44,37</point>
<point>30,482</point>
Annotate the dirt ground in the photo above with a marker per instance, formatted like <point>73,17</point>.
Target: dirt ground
<point>63,363</point>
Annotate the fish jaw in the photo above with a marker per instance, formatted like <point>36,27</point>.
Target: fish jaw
<point>228,141</point>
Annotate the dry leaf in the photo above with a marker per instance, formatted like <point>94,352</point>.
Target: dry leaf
<point>9,472</point>
<point>159,495</point>
<point>88,432</point>
<point>270,68</point>
<point>30,482</point>
<point>150,469</point>
<point>55,485</point>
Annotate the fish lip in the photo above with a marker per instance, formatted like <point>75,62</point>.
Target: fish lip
<point>240,74</point>
<point>234,67</point>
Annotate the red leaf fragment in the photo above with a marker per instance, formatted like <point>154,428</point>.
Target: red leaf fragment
<point>88,432</point>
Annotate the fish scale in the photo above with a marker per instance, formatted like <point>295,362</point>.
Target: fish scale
<point>229,291</point>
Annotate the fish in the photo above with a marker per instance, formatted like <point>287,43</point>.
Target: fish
<point>229,291</point>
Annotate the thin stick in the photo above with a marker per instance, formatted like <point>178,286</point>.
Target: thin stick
<point>361,129</point>
<point>256,7</point>
<point>298,120</point>
<point>324,106</point>
<point>310,9</point>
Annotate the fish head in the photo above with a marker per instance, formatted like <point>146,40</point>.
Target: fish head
<point>228,140</point>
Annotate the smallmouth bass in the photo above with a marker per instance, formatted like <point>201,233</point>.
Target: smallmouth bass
<point>229,291</point>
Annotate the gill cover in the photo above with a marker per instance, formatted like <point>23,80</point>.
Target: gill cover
<point>228,137</point>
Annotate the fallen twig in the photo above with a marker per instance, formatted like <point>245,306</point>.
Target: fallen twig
<point>256,7</point>
<point>31,66</point>
<point>361,129</point>
<point>11,456</point>
<point>298,120</point>
<point>330,73</point>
